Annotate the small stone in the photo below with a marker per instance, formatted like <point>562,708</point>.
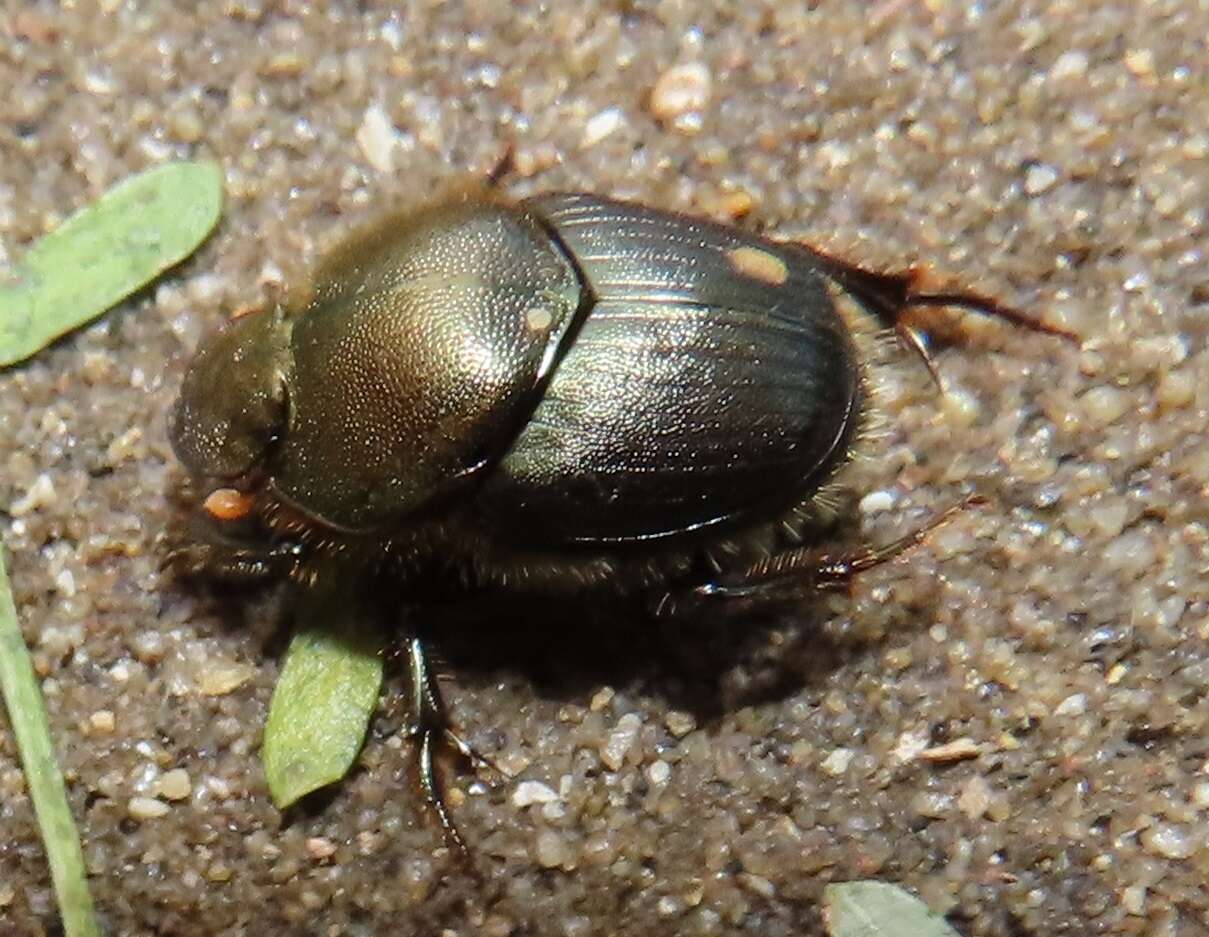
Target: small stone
<point>1073,705</point>
<point>838,761</point>
<point>681,90</point>
<point>533,792</point>
<point>620,740</point>
<point>174,784</point>
<point>975,797</point>
<point>909,746</point>
<point>602,125</point>
<point>1039,178</point>
<point>221,677</point>
<point>497,926</point>
<point>146,808</point>
<point>320,848</point>
<point>1070,64</point>
<point>550,850</point>
<point>377,139</point>
<point>102,721</point>
<point>659,772</point>
<point>1104,405</point>
<point>932,804</point>
<point>512,762</point>
<point>1176,389</point>
<point>1133,900</point>
<point>219,872</point>
<point>757,885</point>
<point>679,723</point>
<point>41,494</point>
<point>1140,63</point>
<point>286,64</point>
<point>601,698</point>
<point>956,750</point>
<point>876,502</point>
<point>1169,841</point>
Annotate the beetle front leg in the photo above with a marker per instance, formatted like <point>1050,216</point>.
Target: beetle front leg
<point>245,565</point>
<point>429,725</point>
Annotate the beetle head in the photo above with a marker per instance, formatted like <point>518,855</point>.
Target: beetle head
<point>234,404</point>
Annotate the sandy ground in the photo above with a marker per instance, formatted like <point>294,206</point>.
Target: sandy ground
<point>709,778</point>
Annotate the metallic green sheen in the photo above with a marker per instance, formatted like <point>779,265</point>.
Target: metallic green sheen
<point>424,346</point>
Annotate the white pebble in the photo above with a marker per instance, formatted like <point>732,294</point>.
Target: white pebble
<point>1104,405</point>
<point>1169,841</point>
<point>1176,389</point>
<point>41,494</point>
<point>838,761</point>
<point>146,808</point>
<point>377,139</point>
<point>602,125</point>
<point>659,772</point>
<point>174,784</point>
<point>620,740</point>
<point>1073,705</point>
<point>876,501</point>
<point>1039,178</point>
<point>550,849</point>
<point>533,792</point>
<point>1070,64</point>
<point>682,89</point>
<point>1133,900</point>
<point>319,847</point>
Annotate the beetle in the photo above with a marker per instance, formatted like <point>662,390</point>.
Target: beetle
<point>559,393</point>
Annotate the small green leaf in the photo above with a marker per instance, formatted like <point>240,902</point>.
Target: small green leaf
<point>31,728</point>
<point>879,909</point>
<point>324,698</point>
<point>105,252</point>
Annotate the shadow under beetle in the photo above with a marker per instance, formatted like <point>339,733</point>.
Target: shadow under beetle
<point>553,394</point>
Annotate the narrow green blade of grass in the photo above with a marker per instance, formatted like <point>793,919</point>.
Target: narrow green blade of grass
<point>879,909</point>
<point>324,698</point>
<point>27,716</point>
<point>105,252</point>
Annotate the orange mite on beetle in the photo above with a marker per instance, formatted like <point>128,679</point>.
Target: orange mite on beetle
<point>559,394</point>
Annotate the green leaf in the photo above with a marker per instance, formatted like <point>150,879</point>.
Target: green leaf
<point>27,713</point>
<point>105,252</point>
<point>879,909</point>
<point>324,698</point>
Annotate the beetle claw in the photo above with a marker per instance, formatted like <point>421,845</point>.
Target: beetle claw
<point>429,725</point>
<point>433,793</point>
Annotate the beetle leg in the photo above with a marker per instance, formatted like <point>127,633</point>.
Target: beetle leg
<point>235,564</point>
<point>796,574</point>
<point>429,725</point>
<point>889,295</point>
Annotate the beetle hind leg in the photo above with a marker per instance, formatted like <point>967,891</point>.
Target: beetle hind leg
<point>429,725</point>
<point>795,575</point>
<point>888,297</point>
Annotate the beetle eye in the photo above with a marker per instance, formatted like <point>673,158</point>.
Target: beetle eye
<point>234,404</point>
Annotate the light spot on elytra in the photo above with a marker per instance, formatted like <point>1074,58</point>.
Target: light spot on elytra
<point>759,265</point>
<point>538,318</point>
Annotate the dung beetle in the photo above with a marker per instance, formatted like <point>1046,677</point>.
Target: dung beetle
<point>552,394</point>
